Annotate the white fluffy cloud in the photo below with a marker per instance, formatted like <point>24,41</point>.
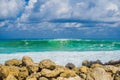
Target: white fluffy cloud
<point>10,9</point>
<point>103,10</point>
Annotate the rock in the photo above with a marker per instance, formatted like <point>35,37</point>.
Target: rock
<point>13,62</point>
<point>23,73</point>
<point>112,62</point>
<point>83,69</point>
<point>9,70</point>
<point>42,78</point>
<point>70,66</point>
<point>68,73</point>
<point>70,78</point>
<point>86,63</point>
<point>89,63</point>
<point>27,61</point>
<point>35,75</point>
<point>50,73</point>
<point>98,74</point>
<point>117,75</point>
<point>10,77</point>
<point>96,65</point>
<point>31,78</point>
<point>33,68</point>
<point>111,69</point>
<point>47,63</point>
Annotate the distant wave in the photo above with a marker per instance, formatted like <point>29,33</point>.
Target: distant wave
<point>13,46</point>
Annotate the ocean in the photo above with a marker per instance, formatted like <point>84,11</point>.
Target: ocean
<point>61,51</point>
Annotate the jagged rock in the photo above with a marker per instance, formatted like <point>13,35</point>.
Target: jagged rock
<point>23,73</point>
<point>50,73</point>
<point>33,68</point>
<point>10,77</point>
<point>89,63</point>
<point>83,69</point>
<point>43,78</point>
<point>98,74</point>
<point>117,75</point>
<point>68,73</point>
<point>13,62</point>
<point>47,63</point>
<point>35,75</point>
<point>111,69</point>
<point>70,66</point>
<point>112,62</point>
<point>9,70</point>
<point>27,61</point>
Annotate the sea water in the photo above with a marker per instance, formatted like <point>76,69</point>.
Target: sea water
<point>61,51</point>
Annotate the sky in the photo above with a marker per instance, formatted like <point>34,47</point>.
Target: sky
<point>71,19</point>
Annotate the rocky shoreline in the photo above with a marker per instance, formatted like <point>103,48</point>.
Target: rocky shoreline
<point>26,69</point>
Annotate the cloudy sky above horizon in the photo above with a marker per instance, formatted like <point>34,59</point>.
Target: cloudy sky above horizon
<point>22,19</point>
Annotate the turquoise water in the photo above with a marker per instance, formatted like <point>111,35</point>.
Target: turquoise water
<point>14,46</point>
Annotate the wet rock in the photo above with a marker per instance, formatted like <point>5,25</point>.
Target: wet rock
<point>13,62</point>
<point>47,63</point>
<point>70,66</point>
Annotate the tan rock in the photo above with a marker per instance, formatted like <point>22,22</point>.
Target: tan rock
<point>49,73</point>
<point>47,63</point>
<point>98,74</point>
<point>13,62</point>
<point>43,78</point>
<point>9,70</point>
<point>68,73</point>
<point>10,77</point>
<point>96,65</point>
<point>23,73</point>
<point>27,61</point>
<point>117,75</point>
<point>83,69</point>
<point>111,69</point>
<point>70,78</point>
<point>33,68</point>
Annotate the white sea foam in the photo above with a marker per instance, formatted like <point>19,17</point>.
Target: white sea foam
<point>63,58</point>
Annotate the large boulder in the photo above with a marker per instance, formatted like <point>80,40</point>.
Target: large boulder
<point>98,74</point>
<point>48,64</point>
<point>27,61</point>
<point>13,62</point>
<point>9,70</point>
